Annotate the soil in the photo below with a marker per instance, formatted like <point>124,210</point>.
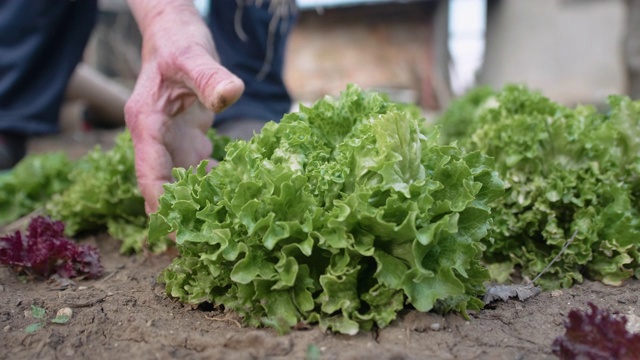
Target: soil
<point>126,314</point>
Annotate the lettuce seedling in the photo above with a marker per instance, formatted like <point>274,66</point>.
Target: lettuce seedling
<point>341,214</point>
<point>44,251</point>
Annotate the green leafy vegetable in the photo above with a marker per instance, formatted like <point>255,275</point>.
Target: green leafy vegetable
<point>62,317</point>
<point>457,119</point>
<point>32,328</point>
<point>44,251</point>
<point>219,143</point>
<point>313,352</point>
<point>340,215</point>
<point>98,191</point>
<point>104,193</point>
<point>31,183</point>
<point>38,314</point>
<point>566,170</point>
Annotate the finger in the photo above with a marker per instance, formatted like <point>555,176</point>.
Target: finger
<point>215,86</point>
<point>153,165</point>
<point>188,146</point>
<point>147,124</point>
<point>187,138</point>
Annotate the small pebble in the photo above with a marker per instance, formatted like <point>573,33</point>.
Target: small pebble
<point>7,328</point>
<point>65,311</point>
<point>556,293</point>
<point>1,287</point>
<point>519,307</point>
<point>434,326</point>
<point>82,288</point>
<point>633,323</point>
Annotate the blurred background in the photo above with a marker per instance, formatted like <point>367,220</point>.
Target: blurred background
<point>422,51</point>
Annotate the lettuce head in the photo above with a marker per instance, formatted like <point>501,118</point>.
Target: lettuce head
<point>566,170</point>
<point>341,214</point>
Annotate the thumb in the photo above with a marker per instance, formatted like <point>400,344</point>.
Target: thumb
<point>215,86</point>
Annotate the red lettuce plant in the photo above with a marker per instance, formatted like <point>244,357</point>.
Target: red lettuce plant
<point>596,335</point>
<point>45,251</point>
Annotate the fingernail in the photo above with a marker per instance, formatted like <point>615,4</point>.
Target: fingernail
<point>224,95</point>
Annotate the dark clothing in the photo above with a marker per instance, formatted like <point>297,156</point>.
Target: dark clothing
<point>265,97</point>
<point>41,42</point>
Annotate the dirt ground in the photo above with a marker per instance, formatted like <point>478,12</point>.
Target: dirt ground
<point>126,314</point>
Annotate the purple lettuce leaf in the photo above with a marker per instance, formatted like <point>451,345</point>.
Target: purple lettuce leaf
<point>596,335</point>
<point>45,251</point>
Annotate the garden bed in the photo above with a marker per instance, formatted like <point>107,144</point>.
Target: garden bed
<point>126,313</point>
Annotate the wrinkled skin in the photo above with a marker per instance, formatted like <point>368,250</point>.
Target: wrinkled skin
<point>179,72</point>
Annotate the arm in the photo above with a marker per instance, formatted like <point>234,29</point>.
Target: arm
<point>179,66</point>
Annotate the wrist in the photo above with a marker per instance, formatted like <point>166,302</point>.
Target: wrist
<point>149,13</point>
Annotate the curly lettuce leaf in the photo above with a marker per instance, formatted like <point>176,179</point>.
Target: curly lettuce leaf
<point>340,214</point>
<point>44,251</point>
<point>31,183</point>
<point>566,170</point>
<point>456,121</point>
<point>97,192</point>
<point>103,193</point>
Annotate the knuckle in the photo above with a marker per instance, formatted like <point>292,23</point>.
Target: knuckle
<point>133,113</point>
<point>131,109</point>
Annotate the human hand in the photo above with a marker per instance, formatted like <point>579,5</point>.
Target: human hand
<point>179,67</point>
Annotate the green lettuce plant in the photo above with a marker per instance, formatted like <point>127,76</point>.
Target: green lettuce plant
<point>457,120</point>
<point>31,183</point>
<point>94,193</point>
<point>340,214</point>
<point>565,170</point>
<point>103,194</point>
